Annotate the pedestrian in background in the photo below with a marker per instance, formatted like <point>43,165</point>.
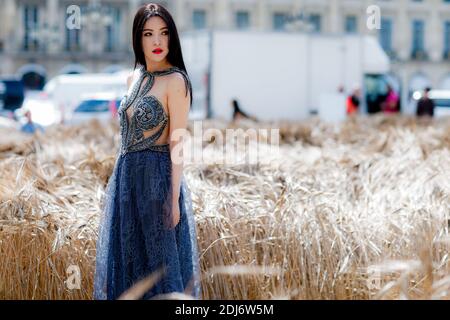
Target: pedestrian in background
<point>390,105</point>
<point>353,101</point>
<point>425,106</point>
<point>30,126</point>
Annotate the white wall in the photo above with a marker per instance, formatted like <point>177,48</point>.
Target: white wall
<point>269,85</point>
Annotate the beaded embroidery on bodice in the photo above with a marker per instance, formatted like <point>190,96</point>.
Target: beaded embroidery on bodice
<point>142,116</point>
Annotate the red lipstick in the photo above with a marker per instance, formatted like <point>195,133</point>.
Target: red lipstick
<point>157,50</point>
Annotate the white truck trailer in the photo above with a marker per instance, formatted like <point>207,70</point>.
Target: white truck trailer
<point>280,75</point>
<point>66,91</point>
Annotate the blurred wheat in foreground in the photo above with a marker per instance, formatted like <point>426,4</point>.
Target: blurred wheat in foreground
<point>357,211</point>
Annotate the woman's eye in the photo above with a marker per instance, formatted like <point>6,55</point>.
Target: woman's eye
<point>148,34</point>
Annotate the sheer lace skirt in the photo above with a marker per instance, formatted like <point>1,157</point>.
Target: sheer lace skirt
<point>134,240</point>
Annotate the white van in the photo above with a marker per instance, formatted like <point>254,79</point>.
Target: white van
<point>100,106</point>
<point>441,100</point>
<point>43,111</point>
<point>67,91</point>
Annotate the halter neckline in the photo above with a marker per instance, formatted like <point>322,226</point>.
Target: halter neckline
<point>158,72</point>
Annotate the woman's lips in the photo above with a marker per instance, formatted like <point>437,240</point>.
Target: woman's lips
<point>157,51</point>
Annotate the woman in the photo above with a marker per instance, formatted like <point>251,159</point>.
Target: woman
<point>390,105</point>
<point>147,227</point>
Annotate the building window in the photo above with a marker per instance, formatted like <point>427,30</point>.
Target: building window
<point>72,39</point>
<point>351,24</point>
<point>113,30</point>
<point>242,19</point>
<point>30,20</point>
<point>386,34</point>
<point>316,22</point>
<point>279,21</point>
<point>447,40</point>
<point>418,44</point>
<point>199,19</point>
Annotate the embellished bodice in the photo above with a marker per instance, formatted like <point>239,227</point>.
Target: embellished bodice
<point>142,116</point>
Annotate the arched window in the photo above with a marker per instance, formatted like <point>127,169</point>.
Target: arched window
<point>33,76</point>
<point>73,69</point>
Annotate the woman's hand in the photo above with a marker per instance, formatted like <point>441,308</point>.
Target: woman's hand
<point>175,213</point>
<point>172,214</point>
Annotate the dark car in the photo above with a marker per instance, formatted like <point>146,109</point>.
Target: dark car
<point>2,93</point>
<point>12,93</point>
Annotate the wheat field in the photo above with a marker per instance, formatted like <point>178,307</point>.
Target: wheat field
<point>359,210</point>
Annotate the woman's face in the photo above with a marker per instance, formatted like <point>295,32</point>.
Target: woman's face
<point>155,36</point>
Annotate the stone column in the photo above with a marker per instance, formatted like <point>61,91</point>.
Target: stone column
<point>297,6</point>
<point>262,22</point>
<point>10,36</point>
<point>180,14</point>
<point>10,26</point>
<point>133,6</point>
<point>402,31</point>
<point>334,26</point>
<point>434,32</point>
<point>52,13</point>
<point>222,14</point>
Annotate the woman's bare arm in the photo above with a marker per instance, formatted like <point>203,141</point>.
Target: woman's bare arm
<point>178,105</point>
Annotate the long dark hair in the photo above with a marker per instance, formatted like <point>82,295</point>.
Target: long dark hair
<point>175,56</point>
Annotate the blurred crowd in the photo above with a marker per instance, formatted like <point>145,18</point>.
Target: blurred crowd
<point>390,103</point>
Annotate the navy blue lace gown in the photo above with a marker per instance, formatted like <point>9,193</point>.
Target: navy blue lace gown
<point>134,239</point>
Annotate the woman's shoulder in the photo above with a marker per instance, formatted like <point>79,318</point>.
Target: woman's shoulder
<point>179,78</point>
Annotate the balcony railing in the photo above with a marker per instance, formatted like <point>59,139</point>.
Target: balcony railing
<point>31,46</point>
<point>446,55</point>
<point>392,54</point>
<point>62,54</point>
<point>73,47</point>
<point>419,55</point>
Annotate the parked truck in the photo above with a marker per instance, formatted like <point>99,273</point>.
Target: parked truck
<point>66,91</point>
<point>281,75</point>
